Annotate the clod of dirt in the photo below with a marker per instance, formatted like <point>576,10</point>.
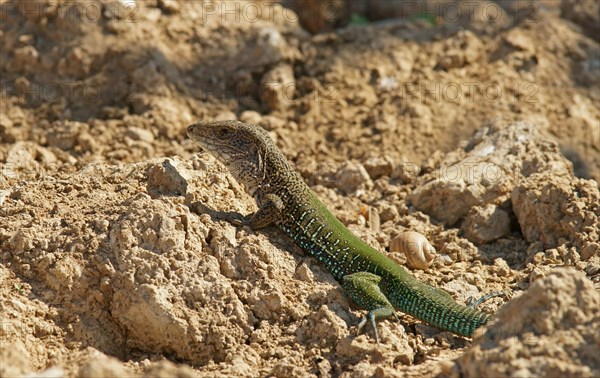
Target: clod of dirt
<point>486,171</point>
<point>139,134</point>
<point>379,166</point>
<point>65,136</point>
<point>463,50</point>
<point>168,177</point>
<point>278,87</point>
<point>484,224</point>
<point>556,209</point>
<point>100,365</point>
<point>351,176</point>
<point>550,330</point>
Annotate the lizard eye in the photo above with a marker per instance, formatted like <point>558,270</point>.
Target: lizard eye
<point>223,132</point>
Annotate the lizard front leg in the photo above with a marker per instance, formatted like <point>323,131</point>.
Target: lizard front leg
<point>363,288</point>
<point>269,212</point>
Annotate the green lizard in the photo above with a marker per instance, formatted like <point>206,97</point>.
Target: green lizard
<point>370,278</point>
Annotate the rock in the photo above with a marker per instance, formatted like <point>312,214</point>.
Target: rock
<point>270,122</point>
<point>538,272</point>
<point>464,49</point>
<point>21,155</point>
<point>168,177</point>
<point>554,209</point>
<point>387,211</point>
<point>159,306</point>
<point>44,155</point>
<point>485,224</point>
<point>587,252</point>
<point>268,49</point>
<point>102,365</point>
<point>304,273</point>
<point>406,172</point>
<point>501,268</point>
<point>323,327</point>
<point>278,87</point>
<point>555,321</point>
<point>286,368</point>
<point>378,166</point>
<point>486,171</point>
<point>65,272</point>
<point>140,134</point>
<point>417,109</point>
<point>351,176</point>
<point>64,136</point>
<point>250,116</point>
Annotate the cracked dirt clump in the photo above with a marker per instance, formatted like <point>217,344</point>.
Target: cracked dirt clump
<point>551,330</point>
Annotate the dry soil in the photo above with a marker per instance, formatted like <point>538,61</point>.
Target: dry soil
<point>480,130</point>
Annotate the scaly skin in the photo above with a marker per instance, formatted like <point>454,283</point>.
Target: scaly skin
<point>371,279</point>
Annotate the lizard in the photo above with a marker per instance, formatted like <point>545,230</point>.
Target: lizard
<point>370,278</point>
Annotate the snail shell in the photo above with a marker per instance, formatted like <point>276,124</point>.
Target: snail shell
<point>419,253</point>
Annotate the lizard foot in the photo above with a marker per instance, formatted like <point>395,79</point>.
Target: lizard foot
<point>472,303</point>
<point>382,312</point>
<point>363,322</point>
<point>363,288</point>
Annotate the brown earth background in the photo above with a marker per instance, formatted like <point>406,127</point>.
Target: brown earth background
<point>475,123</point>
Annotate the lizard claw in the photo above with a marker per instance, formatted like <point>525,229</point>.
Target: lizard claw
<point>361,325</point>
<point>371,318</point>
<point>241,221</point>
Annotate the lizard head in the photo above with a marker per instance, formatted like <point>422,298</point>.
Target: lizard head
<point>239,146</point>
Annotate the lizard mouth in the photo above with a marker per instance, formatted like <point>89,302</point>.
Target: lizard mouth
<point>195,134</point>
